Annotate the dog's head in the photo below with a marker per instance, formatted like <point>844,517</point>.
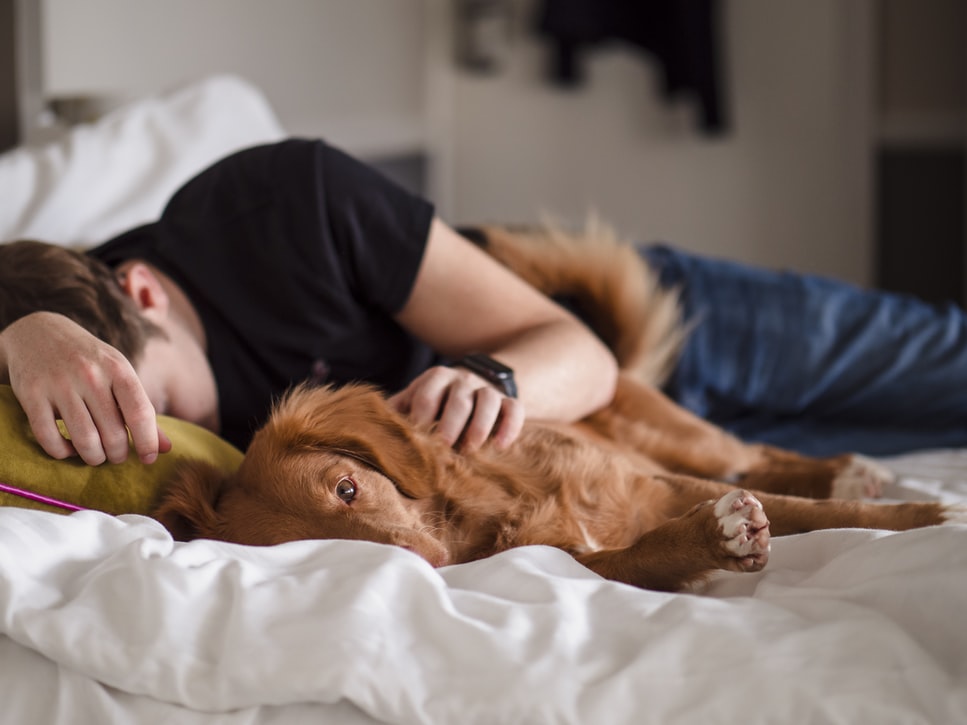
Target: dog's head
<point>328,464</point>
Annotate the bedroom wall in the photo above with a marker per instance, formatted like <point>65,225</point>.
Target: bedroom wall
<point>348,70</point>
<point>788,186</point>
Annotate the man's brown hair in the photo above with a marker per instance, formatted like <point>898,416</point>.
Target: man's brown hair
<point>40,277</point>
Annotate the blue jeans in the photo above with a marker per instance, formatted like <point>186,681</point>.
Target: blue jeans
<point>813,364</point>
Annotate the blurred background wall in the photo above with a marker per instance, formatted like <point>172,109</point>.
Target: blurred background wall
<point>825,101</point>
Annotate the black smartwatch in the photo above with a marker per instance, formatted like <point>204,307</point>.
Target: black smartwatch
<point>495,373</point>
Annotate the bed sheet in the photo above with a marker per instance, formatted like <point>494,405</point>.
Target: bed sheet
<point>107,620</point>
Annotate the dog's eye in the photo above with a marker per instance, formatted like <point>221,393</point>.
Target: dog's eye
<point>346,489</point>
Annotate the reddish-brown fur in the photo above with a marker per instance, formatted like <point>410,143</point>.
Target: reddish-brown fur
<point>636,491</point>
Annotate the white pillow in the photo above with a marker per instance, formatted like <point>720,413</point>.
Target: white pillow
<point>106,177</point>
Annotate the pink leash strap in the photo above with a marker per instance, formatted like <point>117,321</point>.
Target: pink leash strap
<point>6,488</point>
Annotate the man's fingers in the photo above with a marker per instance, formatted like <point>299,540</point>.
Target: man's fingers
<point>164,442</point>
<point>459,410</point>
<point>43,423</point>
<point>400,401</point>
<point>486,404</point>
<point>510,424</point>
<point>98,428</point>
<point>138,415</point>
<point>84,434</point>
<point>110,428</point>
<point>467,409</point>
<point>428,396</point>
<point>59,370</point>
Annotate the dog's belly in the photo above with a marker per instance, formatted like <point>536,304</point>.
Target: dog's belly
<point>587,497</point>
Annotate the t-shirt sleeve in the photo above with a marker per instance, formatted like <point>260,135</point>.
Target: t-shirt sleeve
<point>379,229</point>
<point>301,207</point>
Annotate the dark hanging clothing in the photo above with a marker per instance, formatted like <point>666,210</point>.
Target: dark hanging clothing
<point>682,35</point>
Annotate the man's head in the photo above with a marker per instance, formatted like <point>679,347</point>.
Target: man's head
<point>36,277</point>
<point>135,308</point>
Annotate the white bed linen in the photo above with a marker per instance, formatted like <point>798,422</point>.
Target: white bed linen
<point>103,178</point>
<point>107,620</point>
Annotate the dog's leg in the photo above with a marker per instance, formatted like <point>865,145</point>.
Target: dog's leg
<point>731,533</point>
<point>795,514</point>
<point>717,526</point>
<point>849,476</point>
<point>643,418</point>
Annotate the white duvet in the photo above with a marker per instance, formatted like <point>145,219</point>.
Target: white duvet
<point>107,620</point>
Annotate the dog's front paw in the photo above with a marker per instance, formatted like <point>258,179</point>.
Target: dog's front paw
<point>862,477</point>
<point>745,529</point>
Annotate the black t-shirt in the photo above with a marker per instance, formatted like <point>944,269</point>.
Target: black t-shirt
<point>295,257</point>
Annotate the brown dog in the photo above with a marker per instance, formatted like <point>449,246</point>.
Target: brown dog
<point>635,492</point>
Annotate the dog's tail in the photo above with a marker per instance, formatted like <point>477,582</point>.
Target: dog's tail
<point>614,290</point>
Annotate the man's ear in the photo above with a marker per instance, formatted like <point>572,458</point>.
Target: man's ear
<point>142,285</point>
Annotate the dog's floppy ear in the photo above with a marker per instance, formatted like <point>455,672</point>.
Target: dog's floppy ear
<point>187,505</point>
<point>357,421</point>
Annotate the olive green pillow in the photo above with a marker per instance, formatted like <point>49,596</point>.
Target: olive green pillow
<point>129,487</point>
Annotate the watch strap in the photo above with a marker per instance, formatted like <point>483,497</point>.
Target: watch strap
<point>494,372</point>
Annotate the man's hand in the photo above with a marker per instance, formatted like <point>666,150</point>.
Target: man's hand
<point>58,370</point>
<point>469,410</point>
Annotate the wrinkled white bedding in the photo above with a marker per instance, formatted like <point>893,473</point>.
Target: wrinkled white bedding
<point>108,620</point>
<point>106,177</point>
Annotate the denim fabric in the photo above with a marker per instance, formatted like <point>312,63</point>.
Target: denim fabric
<point>813,364</point>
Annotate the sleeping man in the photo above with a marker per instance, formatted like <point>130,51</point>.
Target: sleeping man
<point>293,261</point>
